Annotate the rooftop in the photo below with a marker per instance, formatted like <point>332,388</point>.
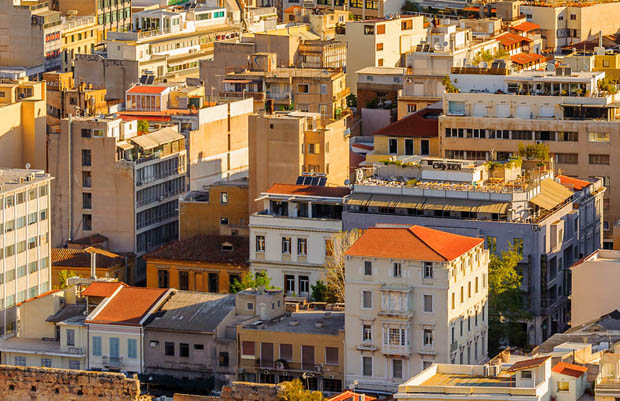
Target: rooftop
<point>308,190</point>
<point>14,179</point>
<point>421,124</point>
<point>102,289</point>
<point>37,346</point>
<point>509,38</point>
<point>126,307</point>
<point>307,322</point>
<point>528,364</point>
<point>569,369</point>
<point>89,240</point>
<point>81,257</point>
<point>206,249</point>
<point>147,89</point>
<point>573,183</point>
<point>413,243</point>
<point>382,70</point>
<point>526,26</point>
<point>454,379</point>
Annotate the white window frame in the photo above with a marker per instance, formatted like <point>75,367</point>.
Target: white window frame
<point>362,303</point>
<point>372,365</point>
<point>424,303</point>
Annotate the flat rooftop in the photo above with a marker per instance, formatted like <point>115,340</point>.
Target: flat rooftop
<point>14,179</point>
<point>311,322</point>
<point>451,379</point>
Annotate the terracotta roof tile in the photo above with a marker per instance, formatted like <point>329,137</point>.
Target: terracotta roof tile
<point>102,288</point>
<point>413,243</point>
<point>526,58</point>
<point>309,190</point>
<point>422,124</point>
<point>90,240</point>
<point>81,257</point>
<point>351,396</point>
<point>205,249</point>
<point>573,183</point>
<point>37,297</point>
<point>509,38</point>
<point>526,26</point>
<point>528,364</point>
<point>128,306</point>
<point>147,89</point>
<point>569,369</point>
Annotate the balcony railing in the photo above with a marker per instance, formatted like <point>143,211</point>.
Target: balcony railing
<point>403,350</point>
<point>112,361</point>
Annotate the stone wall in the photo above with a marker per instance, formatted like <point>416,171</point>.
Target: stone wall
<point>244,391</point>
<point>46,384</point>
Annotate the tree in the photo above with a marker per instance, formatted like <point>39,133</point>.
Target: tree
<point>295,391</point>
<point>64,276</point>
<point>539,151</point>
<point>249,280</point>
<point>143,126</point>
<point>319,291</point>
<point>334,263</point>
<point>506,308</point>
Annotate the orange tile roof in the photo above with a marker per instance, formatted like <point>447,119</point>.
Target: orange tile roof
<point>38,296</point>
<point>102,288</point>
<point>509,38</point>
<point>350,396</point>
<point>528,364</point>
<point>573,183</point>
<point>309,190</point>
<point>146,89</point>
<point>526,26</point>
<point>526,58</point>
<point>128,306</point>
<point>569,369</point>
<point>68,257</point>
<point>413,243</point>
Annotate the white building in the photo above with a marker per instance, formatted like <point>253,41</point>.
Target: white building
<point>289,239</point>
<point>414,296</point>
<point>24,240</point>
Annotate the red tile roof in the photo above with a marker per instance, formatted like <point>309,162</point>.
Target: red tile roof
<point>90,240</point>
<point>355,159</point>
<point>526,58</point>
<point>569,369</point>
<point>81,257</point>
<point>38,296</point>
<point>573,183</point>
<point>350,396</point>
<point>528,364</point>
<point>147,89</point>
<point>509,38</point>
<point>128,306</point>
<point>102,288</point>
<point>422,124</point>
<point>413,243</point>
<point>308,190</point>
<point>206,249</point>
<point>526,26</point>
<point>362,146</point>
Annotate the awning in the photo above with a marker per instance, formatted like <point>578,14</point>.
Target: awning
<point>125,145</point>
<point>236,81</point>
<point>157,138</point>
<point>436,203</point>
<point>411,202</point>
<point>358,199</point>
<point>551,194</point>
<point>494,207</point>
<point>383,201</point>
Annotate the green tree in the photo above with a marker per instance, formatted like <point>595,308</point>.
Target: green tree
<point>64,276</point>
<point>334,263</point>
<point>319,291</point>
<point>539,151</point>
<point>295,391</point>
<point>143,126</point>
<point>506,308</point>
<point>249,280</point>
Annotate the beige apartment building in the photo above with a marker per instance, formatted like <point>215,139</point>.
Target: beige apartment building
<point>283,145</point>
<point>24,240</point>
<point>117,184</point>
<point>80,35</point>
<point>111,15</point>
<point>22,123</point>
<point>414,297</point>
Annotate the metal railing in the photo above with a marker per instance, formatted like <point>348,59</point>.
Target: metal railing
<point>113,361</point>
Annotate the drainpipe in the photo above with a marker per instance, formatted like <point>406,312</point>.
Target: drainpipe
<point>70,167</point>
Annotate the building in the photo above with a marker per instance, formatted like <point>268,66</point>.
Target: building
<point>290,237</point>
<point>378,84</point>
<point>79,262</point>
<point>380,42</point>
<point>307,345</point>
<point>80,34</point>
<point>116,328</point>
<point>414,297</point>
<point>109,15</point>
<point>323,21</point>
<point>414,134</point>
<point>206,263</point>
<point>220,209</point>
<point>31,37</point>
<point>501,205</point>
<point>607,382</point>
<point>571,381</point>
<point>22,123</point>
<point>25,236</point>
<point>547,109</point>
<point>284,145</point>
<point>122,186</point>
<point>193,335</point>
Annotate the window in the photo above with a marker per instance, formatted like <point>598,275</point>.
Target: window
<point>114,347</point>
<point>406,25</point>
<point>20,361</point>
<point>162,278</point>
<point>286,245</point>
<point>331,355</point>
<point>223,359</point>
<point>573,17</point>
<point>453,300</point>
<point>132,348</point>
<point>599,159</point>
<point>598,137</point>
<point>366,365</point>
<point>491,243</point>
<point>184,350</point>
<point>87,200</point>
<point>428,303</point>
<point>46,363</point>
<point>224,221</point>
<point>367,268</point>
<point>380,29</point>
<point>302,246</point>
<point>428,337</point>
<point>428,269</point>
<point>366,333</point>
<point>184,280</point>
<point>96,346</point>
<point>87,222</point>
<point>366,299</point>
<point>393,146</point>
<point>303,88</point>
<point>304,284</point>
<point>396,270</point>
<point>250,306</point>
<point>286,352</point>
<point>86,157</point>
<point>369,30</point>
<point>563,386</point>
<point>224,198</point>
<point>568,136</point>
<point>469,290</point>
<point>411,108</point>
<point>397,368</point>
<point>567,158</point>
<point>379,46</point>
<point>526,374</point>
<point>70,337</point>
<point>323,89</point>
<point>260,243</point>
<point>85,133</point>
<point>169,349</point>
<point>396,336</point>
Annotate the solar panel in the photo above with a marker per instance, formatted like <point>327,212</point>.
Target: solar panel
<point>300,180</point>
<point>150,79</point>
<point>322,181</point>
<point>315,181</point>
<point>307,180</point>
<point>143,79</point>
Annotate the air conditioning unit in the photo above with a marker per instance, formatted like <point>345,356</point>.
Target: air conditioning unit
<point>318,368</point>
<point>266,372</point>
<point>281,364</point>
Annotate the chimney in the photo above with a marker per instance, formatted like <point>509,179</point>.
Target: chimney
<point>93,265</point>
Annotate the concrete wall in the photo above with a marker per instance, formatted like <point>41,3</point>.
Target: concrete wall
<point>22,134</point>
<point>373,120</point>
<point>198,274</point>
<point>116,76</point>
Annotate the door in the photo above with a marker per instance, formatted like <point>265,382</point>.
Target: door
<point>198,281</point>
<point>424,147</point>
<point>114,347</point>
<point>409,147</point>
<point>307,357</point>
<point>213,285</point>
<point>266,355</point>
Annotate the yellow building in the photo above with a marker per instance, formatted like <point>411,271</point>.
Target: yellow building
<point>203,263</point>
<point>80,35</point>
<point>22,123</point>
<point>609,63</point>
<point>78,263</point>
<point>221,209</point>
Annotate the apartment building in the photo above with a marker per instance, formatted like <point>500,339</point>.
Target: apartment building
<point>323,21</point>
<point>290,238</point>
<point>80,35</point>
<point>507,204</point>
<point>117,184</point>
<point>22,122</point>
<point>284,145</point>
<point>565,110</point>
<point>110,15</point>
<point>31,37</point>
<point>380,42</point>
<point>25,240</point>
<point>378,85</point>
<point>414,296</point>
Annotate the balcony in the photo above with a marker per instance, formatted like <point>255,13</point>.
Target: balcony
<point>454,346</point>
<point>257,96</point>
<point>399,350</point>
<point>407,314</point>
<point>366,346</point>
<point>266,220</point>
<point>343,93</point>
<point>112,362</point>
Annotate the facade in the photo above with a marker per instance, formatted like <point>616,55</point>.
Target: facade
<point>80,262</point>
<point>308,345</point>
<point>25,237</point>
<point>80,35</point>
<point>206,263</point>
<point>116,328</point>
<point>290,237</point>
<point>122,186</point>
<point>414,297</point>
<point>378,84</point>
<point>22,123</point>
<point>606,384</point>
<point>284,145</point>
<point>502,207</point>
<point>110,15</point>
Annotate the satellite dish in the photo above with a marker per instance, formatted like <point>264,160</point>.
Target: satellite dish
<point>437,46</point>
<point>27,166</point>
<point>550,67</point>
<point>484,64</point>
<point>586,68</point>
